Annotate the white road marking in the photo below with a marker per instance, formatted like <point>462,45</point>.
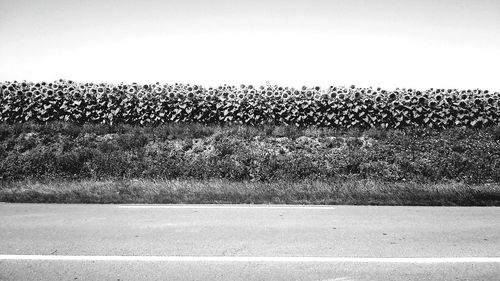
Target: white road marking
<point>251,259</point>
<point>301,207</point>
<point>340,279</point>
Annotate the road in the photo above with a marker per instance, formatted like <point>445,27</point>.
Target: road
<point>204,242</point>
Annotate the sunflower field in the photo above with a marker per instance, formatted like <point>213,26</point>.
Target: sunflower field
<point>151,104</point>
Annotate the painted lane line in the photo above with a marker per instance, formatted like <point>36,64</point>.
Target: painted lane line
<point>283,207</point>
<point>252,259</point>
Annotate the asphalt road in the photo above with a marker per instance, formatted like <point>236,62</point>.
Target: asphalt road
<point>98,236</point>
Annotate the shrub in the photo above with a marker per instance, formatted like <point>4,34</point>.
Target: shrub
<point>245,153</point>
<point>496,133</point>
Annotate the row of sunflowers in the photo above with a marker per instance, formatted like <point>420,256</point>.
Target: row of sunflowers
<point>150,104</point>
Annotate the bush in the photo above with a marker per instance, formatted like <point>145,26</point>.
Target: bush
<point>247,153</point>
<point>496,133</point>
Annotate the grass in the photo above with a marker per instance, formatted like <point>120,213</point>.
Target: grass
<point>62,151</point>
<point>63,162</point>
<point>350,192</point>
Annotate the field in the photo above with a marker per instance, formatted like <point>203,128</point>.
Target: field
<point>103,143</point>
<point>340,107</point>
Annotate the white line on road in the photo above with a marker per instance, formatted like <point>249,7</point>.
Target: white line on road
<point>301,207</point>
<point>252,259</point>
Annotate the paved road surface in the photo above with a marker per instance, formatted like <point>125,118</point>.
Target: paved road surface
<point>296,241</point>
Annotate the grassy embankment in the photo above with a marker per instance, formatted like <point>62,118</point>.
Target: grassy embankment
<point>67,163</point>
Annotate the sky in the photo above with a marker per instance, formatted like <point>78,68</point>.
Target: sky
<point>386,43</point>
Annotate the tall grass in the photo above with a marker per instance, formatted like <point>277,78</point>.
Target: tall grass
<point>353,192</point>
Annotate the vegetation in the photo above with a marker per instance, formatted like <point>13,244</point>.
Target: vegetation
<point>102,143</point>
<point>338,107</point>
<point>65,151</point>
<point>352,192</point>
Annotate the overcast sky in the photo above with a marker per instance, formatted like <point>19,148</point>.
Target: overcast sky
<point>388,43</point>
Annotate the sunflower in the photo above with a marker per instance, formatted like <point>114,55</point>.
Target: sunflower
<point>158,90</point>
